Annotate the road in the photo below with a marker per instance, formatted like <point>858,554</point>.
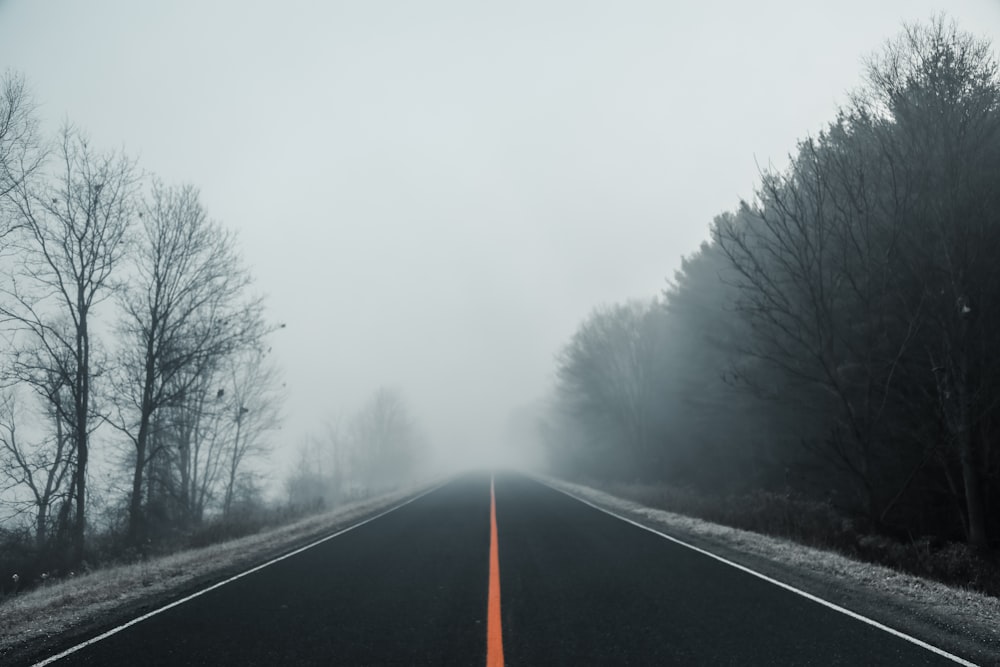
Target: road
<point>576,587</point>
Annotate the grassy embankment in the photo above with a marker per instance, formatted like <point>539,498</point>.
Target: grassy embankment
<point>59,606</point>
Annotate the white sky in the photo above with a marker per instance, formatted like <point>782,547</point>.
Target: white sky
<point>433,194</point>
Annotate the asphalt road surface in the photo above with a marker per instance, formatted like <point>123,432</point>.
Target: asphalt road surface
<point>577,587</point>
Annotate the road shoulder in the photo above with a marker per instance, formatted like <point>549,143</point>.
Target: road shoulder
<point>46,620</point>
<point>961,622</point>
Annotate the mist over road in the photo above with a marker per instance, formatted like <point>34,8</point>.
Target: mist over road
<point>577,586</point>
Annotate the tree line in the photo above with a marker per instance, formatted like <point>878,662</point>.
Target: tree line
<point>131,332</point>
<point>838,336</point>
<point>378,448</point>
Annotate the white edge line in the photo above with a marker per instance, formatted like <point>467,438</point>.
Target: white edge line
<point>116,630</point>
<point>809,596</point>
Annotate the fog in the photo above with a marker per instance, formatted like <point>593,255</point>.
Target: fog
<point>433,195</point>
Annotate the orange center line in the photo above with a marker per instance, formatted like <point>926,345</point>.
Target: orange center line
<point>494,638</point>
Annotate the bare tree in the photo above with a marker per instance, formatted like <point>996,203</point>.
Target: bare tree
<point>938,89</point>
<point>75,224</point>
<point>252,410</point>
<point>865,268</point>
<point>196,445</point>
<point>39,467</point>
<point>187,308</point>
<point>311,485</point>
<point>386,443</point>
<point>21,152</point>
<point>321,475</point>
<point>605,377</point>
<point>812,262</point>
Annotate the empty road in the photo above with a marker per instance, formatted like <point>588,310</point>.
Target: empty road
<point>574,586</point>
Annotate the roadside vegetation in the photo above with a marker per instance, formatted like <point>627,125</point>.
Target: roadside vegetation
<point>375,450</point>
<point>31,619</point>
<point>137,393</point>
<point>139,399</point>
<point>825,367</point>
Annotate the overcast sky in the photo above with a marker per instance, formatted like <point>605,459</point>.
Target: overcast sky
<point>433,194</point>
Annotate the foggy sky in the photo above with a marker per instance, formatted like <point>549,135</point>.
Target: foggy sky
<point>433,194</point>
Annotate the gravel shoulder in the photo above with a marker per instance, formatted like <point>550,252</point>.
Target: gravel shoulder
<point>40,622</point>
<point>962,622</point>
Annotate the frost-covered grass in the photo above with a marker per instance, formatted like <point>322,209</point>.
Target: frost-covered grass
<point>967,612</point>
<point>56,607</point>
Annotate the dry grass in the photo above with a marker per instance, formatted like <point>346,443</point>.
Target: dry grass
<point>56,608</point>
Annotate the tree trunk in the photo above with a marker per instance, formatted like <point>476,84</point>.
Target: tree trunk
<point>975,502</point>
<point>135,518</point>
<point>184,456</point>
<point>40,520</point>
<point>135,503</point>
<point>81,405</point>
<point>233,465</point>
<point>974,498</point>
<point>80,482</point>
